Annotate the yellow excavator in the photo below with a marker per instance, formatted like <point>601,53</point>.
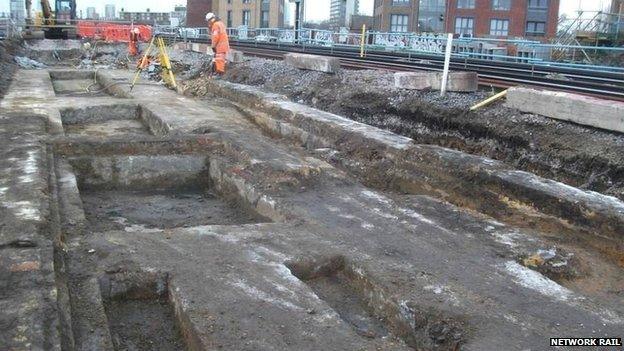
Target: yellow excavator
<point>57,24</point>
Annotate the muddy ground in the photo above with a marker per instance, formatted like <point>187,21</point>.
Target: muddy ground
<point>584,157</point>
<point>8,48</point>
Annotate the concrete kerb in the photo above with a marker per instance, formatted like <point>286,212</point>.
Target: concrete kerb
<point>586,209</point>
<point>233,56</point>
<point>313,62</point>
<point>457,82</point>
<point>195,47</point>
<point>575,108</point>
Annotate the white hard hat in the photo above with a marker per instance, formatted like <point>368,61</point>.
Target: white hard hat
<point>209,16</point>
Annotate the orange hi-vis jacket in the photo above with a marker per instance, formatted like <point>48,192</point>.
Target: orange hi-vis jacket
<point>220,40</point>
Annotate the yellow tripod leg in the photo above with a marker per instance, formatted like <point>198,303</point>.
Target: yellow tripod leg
<point>167,62</point>
<point>138,72</point>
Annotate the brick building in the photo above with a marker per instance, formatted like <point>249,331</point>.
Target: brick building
<point>395,15</point>
<point>480,18</point>
<point>234,13</point>
<point>503,18</point>
<point>196,11</point>
<point>251,13</point>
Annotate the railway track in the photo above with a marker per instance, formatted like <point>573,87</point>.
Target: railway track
<point>602,84</point>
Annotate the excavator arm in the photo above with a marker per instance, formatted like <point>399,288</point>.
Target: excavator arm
<point>47,11</point>
<point>28,8</point>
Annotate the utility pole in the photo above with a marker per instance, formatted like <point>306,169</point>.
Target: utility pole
<point>619,20</point>
<point>299,16</point>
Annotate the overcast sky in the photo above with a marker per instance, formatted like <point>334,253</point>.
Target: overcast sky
<point>315,9</point>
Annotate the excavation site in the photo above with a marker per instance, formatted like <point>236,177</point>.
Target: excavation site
<point>283,207</point>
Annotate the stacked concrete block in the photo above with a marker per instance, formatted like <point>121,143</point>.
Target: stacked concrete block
<point>457,81</point>
<point>235,56</point>
<point>575,108</point>
<point>313,62</point>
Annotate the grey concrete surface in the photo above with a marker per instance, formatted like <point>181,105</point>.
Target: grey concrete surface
<point>575,108</point>
<point>235,56</point>
<point>313,62</point>
<point>457,81</point>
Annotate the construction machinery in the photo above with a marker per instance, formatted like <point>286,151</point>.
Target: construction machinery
<point>57,24</point>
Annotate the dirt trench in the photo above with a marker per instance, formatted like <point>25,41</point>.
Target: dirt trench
<point>8,48</point>
<point>580,156</point>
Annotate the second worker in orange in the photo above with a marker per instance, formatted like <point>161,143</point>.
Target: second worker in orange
<point>220,41</point>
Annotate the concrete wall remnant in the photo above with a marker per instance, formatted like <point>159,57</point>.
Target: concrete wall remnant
<point>458,81</point>
<point>589,111</point>
<point>235,56</point>
<point>313,62</point>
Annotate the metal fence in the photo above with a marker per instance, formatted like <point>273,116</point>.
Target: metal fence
<point>508,50</point>
<point>8,28</point>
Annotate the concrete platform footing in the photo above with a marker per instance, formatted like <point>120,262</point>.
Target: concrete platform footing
<point>235,56</point>
<point>313,62</point>
<point>458,81</point>
<point>575,108</point>
<point>195,47</point>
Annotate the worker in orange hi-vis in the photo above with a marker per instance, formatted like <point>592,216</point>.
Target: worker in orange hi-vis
<point>133,44</point>
<point>220,41</point>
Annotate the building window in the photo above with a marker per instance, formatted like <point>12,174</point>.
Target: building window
<point>431,15</point>
<point>229,18</point>
<point>499,27</point>
<point>536,28</point>
<point>400,2</point>
<point>501,5</point>
<point>264,19</point>
<point>538,4</point>
<point>398,23</point>
<point>465,4</point>
<point>464,25</point>
<point>246,16</point>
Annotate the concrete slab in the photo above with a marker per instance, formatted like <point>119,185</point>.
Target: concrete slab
<point>235,56</point>
<point>575,108</point>
<point>313,62</point>
<point>195,47</point>
<point>30,318</point>
<point>458,81</point>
